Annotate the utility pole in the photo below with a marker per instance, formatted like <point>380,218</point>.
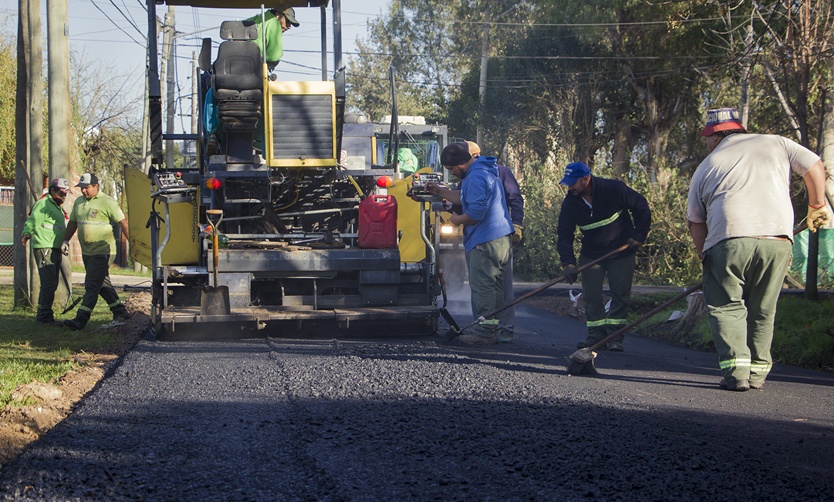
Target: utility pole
<point>28,96</point>
<point>483,83</point>
<point>195,101</point>
<point>59,113</point>
<point>745,77</point>
<point>169,60</point>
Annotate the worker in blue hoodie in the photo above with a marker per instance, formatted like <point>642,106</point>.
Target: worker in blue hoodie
<point>487,231</point>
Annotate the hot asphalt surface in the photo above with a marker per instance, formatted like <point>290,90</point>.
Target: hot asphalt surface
<point>420,419</point>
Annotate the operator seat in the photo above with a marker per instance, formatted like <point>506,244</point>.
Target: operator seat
<point>237,79</point>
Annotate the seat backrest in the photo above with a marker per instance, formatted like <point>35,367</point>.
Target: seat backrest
<point>238,65</point>
<point>238,30</point>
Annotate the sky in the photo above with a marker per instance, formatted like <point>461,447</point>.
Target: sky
<point>111,33</point>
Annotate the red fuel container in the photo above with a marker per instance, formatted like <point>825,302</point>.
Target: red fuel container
<point>378,222</point>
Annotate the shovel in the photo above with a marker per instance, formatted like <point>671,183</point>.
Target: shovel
<point>214,300</point>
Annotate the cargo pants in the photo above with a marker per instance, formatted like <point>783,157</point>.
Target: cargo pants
<point>488,264</point>
<point>620,272</point>
<point>742,281</point>
<point>49,267</point>
<point>97,282</point>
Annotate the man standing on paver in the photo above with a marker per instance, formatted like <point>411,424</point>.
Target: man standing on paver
<point>45,227</point>
<point>740,217</point>
<point>609,214</point>
<point>93,215</point>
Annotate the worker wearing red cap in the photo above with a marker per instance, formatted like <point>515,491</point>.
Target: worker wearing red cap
<point>740,217</point>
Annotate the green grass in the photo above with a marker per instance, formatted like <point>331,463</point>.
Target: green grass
<point>30,352</point>
<point>803,334</point>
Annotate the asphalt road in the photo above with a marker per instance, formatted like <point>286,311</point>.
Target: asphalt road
<point>418,419</point>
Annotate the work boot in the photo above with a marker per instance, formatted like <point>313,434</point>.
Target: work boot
<point>756,384</point>
<point>738,386</point>
<point>120,313</point>
<point>477,340</point>
<point>47,321</point>
<point>75,324</point>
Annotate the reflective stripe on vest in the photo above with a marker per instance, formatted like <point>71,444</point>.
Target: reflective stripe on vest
<point>735,362</point>
<point>605,322</point>
<point>601,223</point>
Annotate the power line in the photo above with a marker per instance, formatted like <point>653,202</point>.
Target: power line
<point>93,2</point>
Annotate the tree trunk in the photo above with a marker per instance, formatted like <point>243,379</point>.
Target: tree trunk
<point>621,152</point>
<point>21,192</point>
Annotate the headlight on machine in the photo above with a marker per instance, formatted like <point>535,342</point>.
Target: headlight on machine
<point>447,229</point>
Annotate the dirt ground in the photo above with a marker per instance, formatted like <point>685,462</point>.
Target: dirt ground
<point>20,426</point>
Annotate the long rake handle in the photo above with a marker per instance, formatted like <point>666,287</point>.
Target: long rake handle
<point>548,284</point>
<point>645,316</point>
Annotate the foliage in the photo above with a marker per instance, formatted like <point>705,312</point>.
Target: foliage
<point>431,44</point>
<point>803,332</point>
<point>105,121</point>
<point>537,258</point>
<point>42,354</point>
<point>8,82</point>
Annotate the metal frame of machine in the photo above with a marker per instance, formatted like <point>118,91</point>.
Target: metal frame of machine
<point>291,251</point>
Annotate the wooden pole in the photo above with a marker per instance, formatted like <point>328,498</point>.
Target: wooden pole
<point>59,115</point>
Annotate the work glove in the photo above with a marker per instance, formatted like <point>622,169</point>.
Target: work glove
<point>634,243</point>
<point>570,273</point>
<point>817,216</point>
<point>65,248</point>
<point>518,235</point>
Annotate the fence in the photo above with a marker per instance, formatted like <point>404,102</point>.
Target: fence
<point>6,226</point>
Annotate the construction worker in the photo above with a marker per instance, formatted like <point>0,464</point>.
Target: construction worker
<point>45,227</point>
<point>515,204</point>
<point>609,214</point>
<point>740,217</point>
<point>92,215</point>
<point>275,22</point>
<point>486,233</point>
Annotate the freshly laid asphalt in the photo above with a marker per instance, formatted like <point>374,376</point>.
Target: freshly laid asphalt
<point>416,418</point>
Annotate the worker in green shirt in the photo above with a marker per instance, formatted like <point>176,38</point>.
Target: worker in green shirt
<point>93,215</point>
<point>275,22</point>
<point>45,228</point>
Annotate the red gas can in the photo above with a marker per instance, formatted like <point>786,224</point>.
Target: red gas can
<point>378,222</point>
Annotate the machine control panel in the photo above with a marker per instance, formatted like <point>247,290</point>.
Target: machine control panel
<point>171,187</point>
<point>418,186</point>
<point>167,180</point>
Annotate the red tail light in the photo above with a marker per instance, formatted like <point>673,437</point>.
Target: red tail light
<point>214,183</point>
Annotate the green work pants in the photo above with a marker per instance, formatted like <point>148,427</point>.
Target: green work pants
<point>742,280</point>
<point>488,264</point>
<point>97,282</point>
<point>620,272</point>
<point>49,267</point>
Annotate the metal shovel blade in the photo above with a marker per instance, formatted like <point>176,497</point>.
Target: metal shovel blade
<point>214,300</point>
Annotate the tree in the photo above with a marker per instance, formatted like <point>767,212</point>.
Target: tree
<point>105,121</point>
<point>8,81</point>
